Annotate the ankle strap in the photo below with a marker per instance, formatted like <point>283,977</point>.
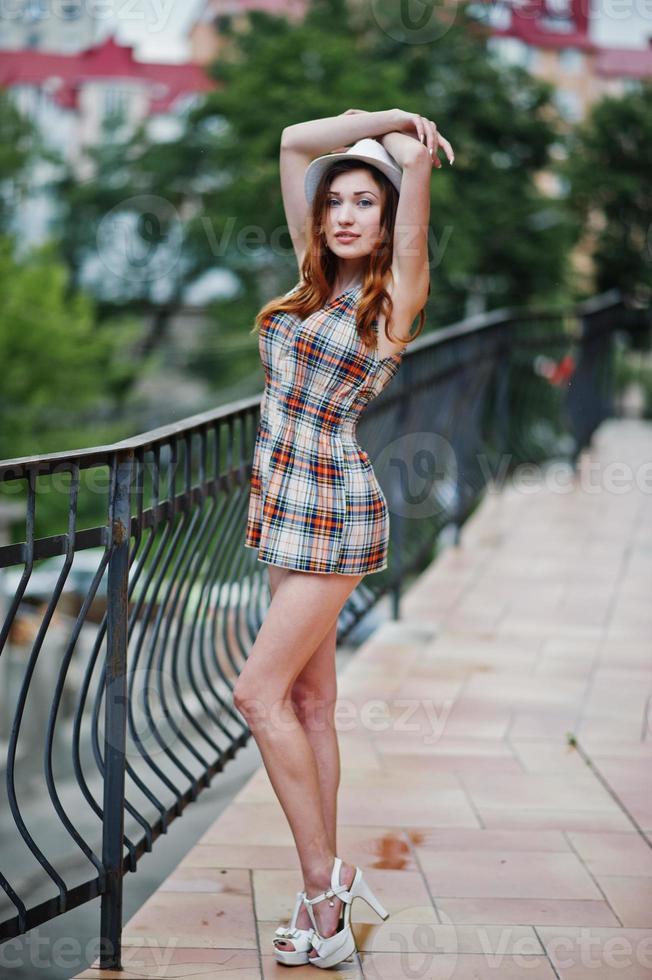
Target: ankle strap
<point>340,892</point>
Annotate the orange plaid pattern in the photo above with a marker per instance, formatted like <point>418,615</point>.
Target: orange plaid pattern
<point>315,503</point>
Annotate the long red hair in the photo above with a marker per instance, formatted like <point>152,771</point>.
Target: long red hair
<point>319,266</point>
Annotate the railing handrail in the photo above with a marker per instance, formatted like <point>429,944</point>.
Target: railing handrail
<point>96,455</point>
<point>170,529</point>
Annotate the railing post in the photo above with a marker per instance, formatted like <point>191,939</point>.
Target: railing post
<point>115,715</point>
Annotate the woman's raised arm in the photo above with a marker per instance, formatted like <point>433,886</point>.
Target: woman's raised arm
<point>317,136</point>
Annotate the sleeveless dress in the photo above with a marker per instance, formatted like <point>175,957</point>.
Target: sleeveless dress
<point>315,504</point>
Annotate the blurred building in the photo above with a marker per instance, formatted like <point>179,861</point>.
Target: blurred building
<point>556,40</point>
<point>65,26</point>
<point>205,34</point>
<point>70,96</point>
<point>553,39</point>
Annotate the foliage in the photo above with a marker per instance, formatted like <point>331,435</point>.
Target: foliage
<point>493,233</point>
<point>61,372</point>
<point>608,169</point>
<point>18,146</point>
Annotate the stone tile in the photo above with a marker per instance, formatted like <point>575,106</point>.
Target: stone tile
<point>472,717</point>
<point>379,848</point>
<point>542,723</point>
<point>218,881</point>
<point>613,854</point>
<point>143,963</point>
<point>487,840</point>
<point>529,819</point>
<point>548,756</point>
<point>398,933</point>
<point>395,763</point>
<point>582,954</point>
<point>475,747</point>
<point>524,911</point>
<point>630,898</point>
<point>398,966</point>
<point>200,919</point>
<point>506,874</point>
<point>250,823</point>
<point>241,856</point>
<point>539,790</point>
<point>439,802</point>
<point>516,688</point>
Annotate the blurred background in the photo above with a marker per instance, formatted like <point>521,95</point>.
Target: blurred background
<point>141,219</point>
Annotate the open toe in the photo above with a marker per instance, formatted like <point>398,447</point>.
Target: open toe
<point>291,944</point>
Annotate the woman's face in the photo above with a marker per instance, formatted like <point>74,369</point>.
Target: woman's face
<point>353,207</point>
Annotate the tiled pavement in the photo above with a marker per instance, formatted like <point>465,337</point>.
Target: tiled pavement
<point>501,849</point>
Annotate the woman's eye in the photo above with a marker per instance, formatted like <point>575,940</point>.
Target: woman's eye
<point>362,200</point>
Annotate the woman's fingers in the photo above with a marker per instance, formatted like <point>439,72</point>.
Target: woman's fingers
<point>428,134</point>
<point>430,139</point>
<point>440,141</point>
<point>447,148</point>
<point>420,127</point>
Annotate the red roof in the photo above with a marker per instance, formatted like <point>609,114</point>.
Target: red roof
<point>67,73</point>
<point>624,62</point>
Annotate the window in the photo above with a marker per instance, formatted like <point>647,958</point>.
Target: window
<point>70,11</point>
<point>569,105</point>
<point>571,61</point>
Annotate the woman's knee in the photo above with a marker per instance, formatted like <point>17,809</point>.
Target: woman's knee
<point>315,706</point>
<point>263,709</point>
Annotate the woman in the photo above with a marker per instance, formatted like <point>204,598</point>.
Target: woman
<point>358,221</point>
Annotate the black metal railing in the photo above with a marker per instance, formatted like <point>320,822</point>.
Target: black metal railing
<point>124,631</point>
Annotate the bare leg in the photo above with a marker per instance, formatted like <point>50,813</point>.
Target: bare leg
<point>302,614</point>
<point>314,695</point>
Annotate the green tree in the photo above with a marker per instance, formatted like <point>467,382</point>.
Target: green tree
<point>61,375</point>
<point>494,235</point>
<point>609,172</point>
<point>18,147</point>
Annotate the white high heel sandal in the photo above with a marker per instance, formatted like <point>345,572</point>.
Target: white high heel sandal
<point>333,949</point>
<point>300,938</point>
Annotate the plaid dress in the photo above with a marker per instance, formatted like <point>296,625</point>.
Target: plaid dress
<point>315,504</point>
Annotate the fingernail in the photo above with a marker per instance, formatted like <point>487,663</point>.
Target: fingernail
<point>452,161</point>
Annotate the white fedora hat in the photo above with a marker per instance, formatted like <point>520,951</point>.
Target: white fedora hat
<point>368,150</point>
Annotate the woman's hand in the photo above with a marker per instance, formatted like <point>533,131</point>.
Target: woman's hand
<point>425,130</point>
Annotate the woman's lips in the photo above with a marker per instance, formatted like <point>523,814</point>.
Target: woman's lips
<point>346,238</point>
